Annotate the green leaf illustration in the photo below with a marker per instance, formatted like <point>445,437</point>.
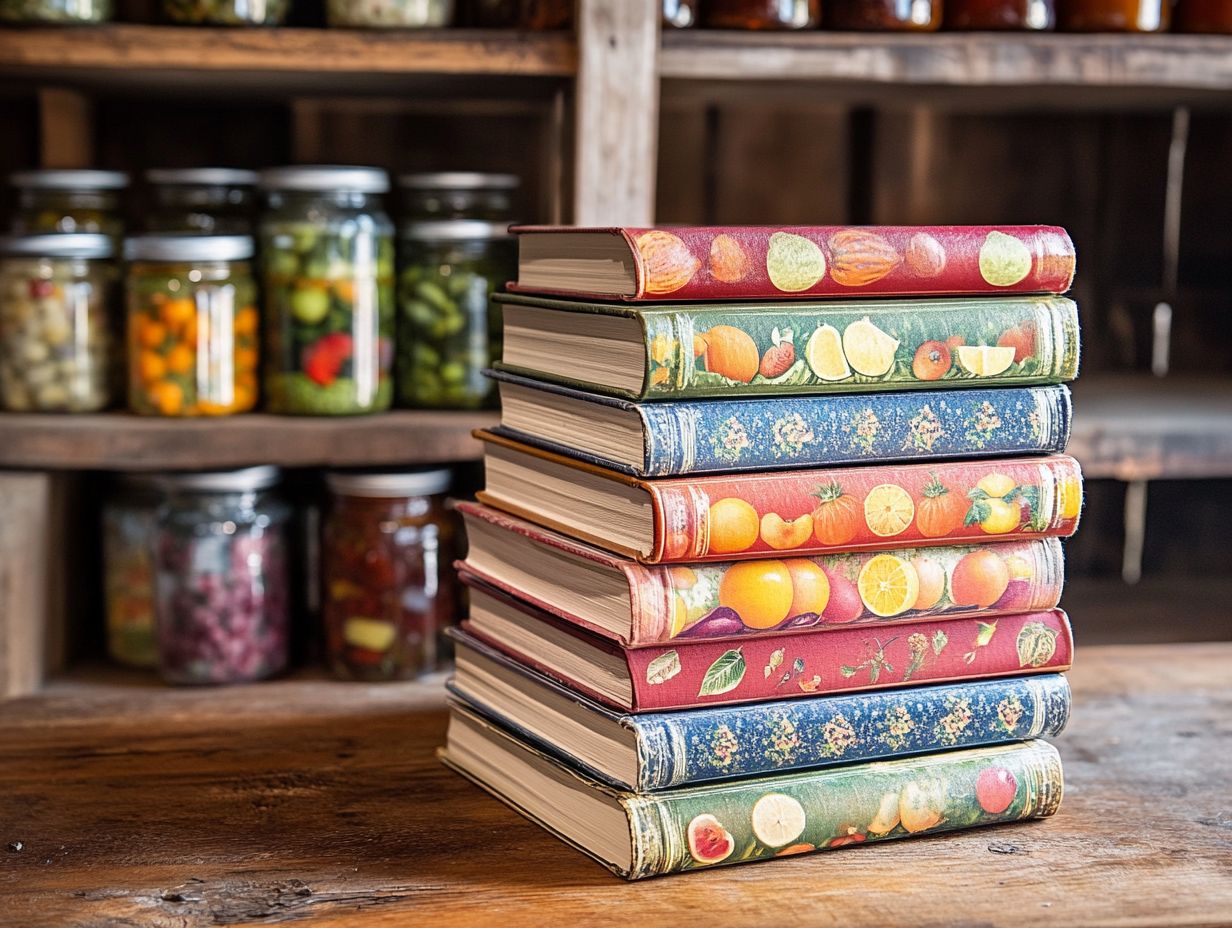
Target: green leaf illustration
<point>724,675</point>
<point>939,642</point>
<point>847,670</point>
<point>985,633</point>
<point>797,665</point>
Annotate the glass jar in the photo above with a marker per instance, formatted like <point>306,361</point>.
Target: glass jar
<point>679,14</point>
<point>221,606</point>
<point>1114,15</point>
<point>57,330</point>
<point>69,201</point>
<point>521,14</point>
<point>761,14</point>
<point>192,325</point>
<point>226,12</point>
<point>390,14</point>
<point>130,520</point>
<point>1000,15</point>
<point>884,15</point>
<point>1205,16</point>
<point>389,588</point>
<point>203,201</point>
<point>458,195</point>
<point>328,257</point>
<point>56,12</point>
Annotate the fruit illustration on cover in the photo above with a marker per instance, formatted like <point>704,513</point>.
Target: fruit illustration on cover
<point>888,585</point>
<point>1017,595</point>
<point>869,350</point>
<point>824,354</point>
<point>845,604</point>
<point>921,806</point>
<point>1069,491</point>
<point>887,817</point>
<point>1021,338</point>
<point>731,353</point>
<point>709,842</point>
<point>995,789</point>
<point>940,510</point>
<point>810,587</point>
<point>668,263</point>
<point>780,356</point>
<point>836,520</point>
<point>782,535</point>
<point>1004,260</point>
<point>888,510</point>
<point>978,579</point>
<point>997,504</point>
<point>925,255</point>
<point>859,257</point>
<point>985,360</point>
<point>733,526</point>
<point>1037,643</point>
<point>778,819</point>
<point>793,262</point>
<point>931,575</point>
<point>729,262</point>
<point>759,592</point>
<point>932,360</point>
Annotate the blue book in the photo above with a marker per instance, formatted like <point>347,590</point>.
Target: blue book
<point>723,436</point>
<point>658,751</point>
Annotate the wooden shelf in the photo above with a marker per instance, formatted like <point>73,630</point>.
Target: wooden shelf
<point>119,441</point>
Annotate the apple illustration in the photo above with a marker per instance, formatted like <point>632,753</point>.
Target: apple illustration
<point>995,789</point>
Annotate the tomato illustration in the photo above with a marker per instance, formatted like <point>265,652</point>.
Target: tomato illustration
<point>940,511</point>
<point>932,360</point>
<point>837,516</point>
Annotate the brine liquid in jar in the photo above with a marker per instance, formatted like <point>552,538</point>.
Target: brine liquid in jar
<point>69,200</point>
<point>130,526</point>
<point>56,12</point>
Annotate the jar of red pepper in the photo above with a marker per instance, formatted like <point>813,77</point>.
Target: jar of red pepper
<point>386,561</point>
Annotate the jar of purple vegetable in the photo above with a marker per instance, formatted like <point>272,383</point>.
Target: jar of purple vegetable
<point>221,607</point>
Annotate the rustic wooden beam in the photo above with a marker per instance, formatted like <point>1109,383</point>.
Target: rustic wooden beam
<point>26,534</point>
<point>66,129</point>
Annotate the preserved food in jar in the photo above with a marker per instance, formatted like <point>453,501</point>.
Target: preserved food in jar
<point>69,201</point>
<point>884,15</point>
<point>202,201</point>
<point>60,12</point>
<point>396,14</point>
<point>1205,16</point>
<point>990,15</point>
<point>227,12</point>
<point>130,521</point>
<point>458,195</point>
<point>192,325</point>
<point>761,14</point>
<point>679,14</point>
<point>1114,15</point>
<point>221,606</point>
<point>57,339</point>
<point>328,268</point>
<point>389,588</point>
<point>523,14</point>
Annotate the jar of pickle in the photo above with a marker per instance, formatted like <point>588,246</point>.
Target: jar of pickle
<point>57,331</point>
<point>1000,15</point>
<point>458,195</point>
<point>69,201</point>
<point>202,201</point>
<point>1206,16</point>
<point>56,12</point>
<point>1114,15</point>
<point>226,12</point>
<point>130,521</point>
<point>679,14</point>
<point>192,325</point>
<point>390,14</point>
<point>328,266</point>
<point>884,15</point>
<point>761,14</point>
<point>386,562</point>
<point>221,581</point>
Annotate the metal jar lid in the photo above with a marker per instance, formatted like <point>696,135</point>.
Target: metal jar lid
<point>225,481</point>
<point>453,230</point>
<point>70,179</point>
<point>459,180</point>
<point>58,245</point>
<point>206,177</point>
<point>390,485</point>
<point>325,177</point>
<point>188,248</point>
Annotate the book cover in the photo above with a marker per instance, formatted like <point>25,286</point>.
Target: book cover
<point>725,436</point>
<point>766,597</point>
<point>739,350</point>
<point>768,262</point>
<point>796,813</point>
<point>703,745</point>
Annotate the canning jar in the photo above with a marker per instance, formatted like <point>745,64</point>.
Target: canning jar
<point>57,12</point>
<point>458,195</point>
<point>226,12</point>
<point>680,14</point>
<point>386,560</point>
<point>884,15</point>
<point>761,14</point>
<point>1114,15</point>
<point>56,200</point>
<point>130,521</point>
<point>390,14</point>
<point>57,329</point>
<point>203,201</point>
<point>192,325</point>
<point>1208,16</point>
<point>328,257</point>
<point>522,14</point>
<point>1000,15</point>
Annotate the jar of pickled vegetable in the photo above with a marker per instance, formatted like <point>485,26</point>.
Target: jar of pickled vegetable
<point>390,14</point>
<point>226,12</point>
<point>679,14</point>
<point>203,201</point>
<point>458,195</point>
<point>57,330</point>
<point>389,589</point>
<point>761,14</point>
<point>1114,15</point>
<point>56,12</point>
<point>192,325</point>
<point>221,568</point>
<point>1206,16</point>
<point>328,257</point>
<point>1000,15</point>
<point>130,521</point>
<point>884,15</point>
<point>69,201</point>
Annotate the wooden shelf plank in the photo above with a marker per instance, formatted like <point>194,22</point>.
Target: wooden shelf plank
<point>119,441</point>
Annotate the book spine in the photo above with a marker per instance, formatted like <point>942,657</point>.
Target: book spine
<point>860,588</point>
<point>794,513</point>
<point>689,674</point>
<point>755,435</point>
<point>760,819</point>
<point>685,748</point>
<point>859,348</point>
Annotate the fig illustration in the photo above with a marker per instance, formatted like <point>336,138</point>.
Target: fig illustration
<point>709,842</point>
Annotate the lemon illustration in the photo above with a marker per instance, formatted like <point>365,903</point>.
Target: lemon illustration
<point>777,819</point>
<point>996,484</point>
<point>824,354</point>
<point>888,585</point>
<point>793,262</point>
<point>1004,260</point>
<point>985,360</point>
<point>869,350</point>
<point>888,510</point>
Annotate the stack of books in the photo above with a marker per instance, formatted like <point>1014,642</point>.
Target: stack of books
<point>768,556</point>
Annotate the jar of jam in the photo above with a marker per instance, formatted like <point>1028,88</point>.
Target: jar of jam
<point>56,200</point>
<point>386,562</point>
<point>1206,16</point>
<point>1000,15</point>
<point>201,201</point>
<point>761,14</point>
<point>1114,15</point>
<point>884,15</point>
<point>130,522</point>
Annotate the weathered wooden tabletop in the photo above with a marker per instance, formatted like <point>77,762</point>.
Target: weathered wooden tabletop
<point>323,803</point>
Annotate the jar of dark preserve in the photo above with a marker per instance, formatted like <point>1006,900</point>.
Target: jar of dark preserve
<point>1000,15</point>
<point>387,549</point>
<point>1205,16</point>
<point>1114,15</point>
<point>761,14</point>
<point>884,15</point>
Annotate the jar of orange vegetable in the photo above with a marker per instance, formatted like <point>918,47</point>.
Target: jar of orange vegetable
<point>192,325</point>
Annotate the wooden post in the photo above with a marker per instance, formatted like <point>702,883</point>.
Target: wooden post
<point>66,129</point>
<point>25,541</point>
<point>617,112</point>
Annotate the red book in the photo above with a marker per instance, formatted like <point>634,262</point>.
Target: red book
<point>776,262</point>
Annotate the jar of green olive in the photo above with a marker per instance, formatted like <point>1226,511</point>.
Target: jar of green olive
<point>56,12</point>
<point>57,329</point>
<point>327,255</point>
<point>203,201</point>
<point>69,201</point>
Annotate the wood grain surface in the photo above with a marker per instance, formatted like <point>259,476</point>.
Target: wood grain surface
<point>322,803</point>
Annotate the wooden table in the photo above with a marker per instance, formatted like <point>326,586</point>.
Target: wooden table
<point>321,803</point>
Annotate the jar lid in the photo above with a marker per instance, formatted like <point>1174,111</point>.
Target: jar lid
<point>325,177</point>
<point>59,179</point>
<point>459,180</point>
<point>407,483</point>
<point>454,230</point>
<point>223,481</point>
<point>213,177</point>
<point>58,245</point>
<point>180,247</point>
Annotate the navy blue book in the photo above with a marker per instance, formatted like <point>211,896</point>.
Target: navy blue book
<point>658,751</point>
<point>723,436</point>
